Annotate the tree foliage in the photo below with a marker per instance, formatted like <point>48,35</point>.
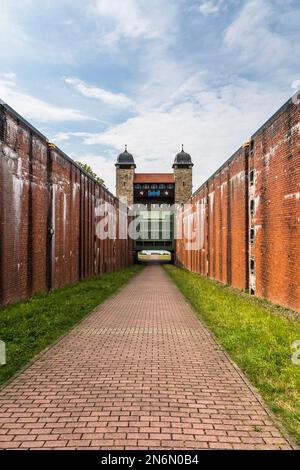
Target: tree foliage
<point>85,167</point>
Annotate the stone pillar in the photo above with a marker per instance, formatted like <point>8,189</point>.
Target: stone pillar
<point>124,183</point>
<point>183,176</point>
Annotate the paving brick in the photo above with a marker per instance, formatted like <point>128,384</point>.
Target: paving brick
<point>55,444</point>
<point>32,444</point>
<point>76,443</point>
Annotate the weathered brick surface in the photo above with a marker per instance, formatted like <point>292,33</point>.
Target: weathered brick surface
<point>39,207</point>
<point>140,372</point>
<point>124,184</point>
<point>42,190</point>
<point>183,184</point>
<point>276,162</point>
<point>14,199</point>
<point>237,214</point>
<point>270,206</point>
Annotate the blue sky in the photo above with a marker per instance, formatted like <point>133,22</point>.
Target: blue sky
<point>94,75</point>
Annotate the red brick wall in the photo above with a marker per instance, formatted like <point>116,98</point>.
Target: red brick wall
<point>238,226</point>
<point>42,190</point>
<point>271,206</point>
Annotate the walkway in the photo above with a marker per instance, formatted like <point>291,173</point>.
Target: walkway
<point>140,372</point>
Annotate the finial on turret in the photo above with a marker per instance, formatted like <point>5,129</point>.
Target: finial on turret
<point>125,158</point>
<point>183,159</point>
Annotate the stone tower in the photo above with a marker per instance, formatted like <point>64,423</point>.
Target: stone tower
<point>125,168</point>
<point>183,176</point>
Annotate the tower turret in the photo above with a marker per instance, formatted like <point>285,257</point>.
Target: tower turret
<point>183,175</point>
<point>125,168</point>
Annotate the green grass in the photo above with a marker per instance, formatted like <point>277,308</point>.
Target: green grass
<point>28,327</point>
<point>257,337</point>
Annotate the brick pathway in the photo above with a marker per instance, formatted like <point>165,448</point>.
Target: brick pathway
<point>140,372</point>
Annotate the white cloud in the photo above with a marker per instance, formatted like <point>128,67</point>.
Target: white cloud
<point>21,40</point>
<point>134,19</point>
<point>118,100</point>
<point>253,35</point>
<point>34,108</point>
<point>212,125</point>
<point>12,34</point>
<point>65,136</point>
<point>127,17</point>
<point>9,77</point>
<point>102,166</point>
<point>162,75</point>
<point>208,7</point>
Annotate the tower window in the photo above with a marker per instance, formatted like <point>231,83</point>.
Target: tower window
<point>183,183</point>
<point>252,177</point>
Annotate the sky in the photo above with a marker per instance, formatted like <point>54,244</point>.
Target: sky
<point>95,75</point>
